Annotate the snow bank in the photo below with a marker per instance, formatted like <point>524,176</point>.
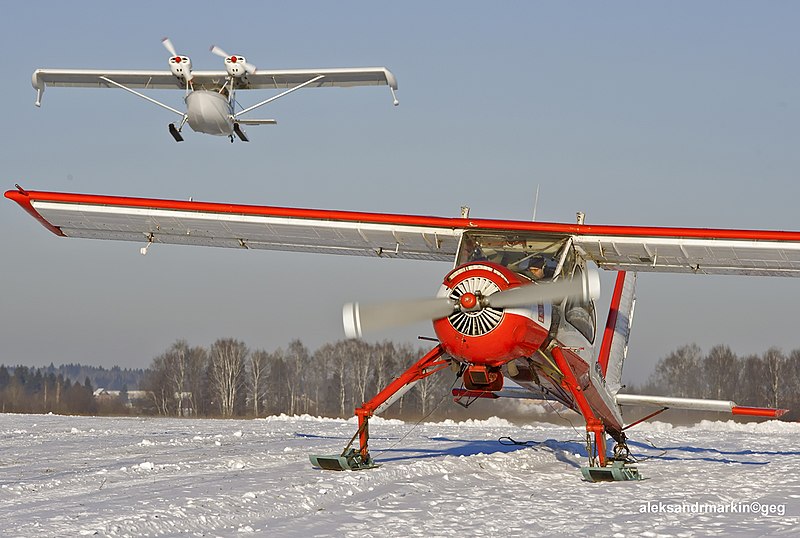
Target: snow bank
<point>769,426</point>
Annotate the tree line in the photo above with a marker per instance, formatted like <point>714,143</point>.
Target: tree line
<point>68,388</point>
<point>227,379</point>
<point>769,379</point>
<point>28,390</point>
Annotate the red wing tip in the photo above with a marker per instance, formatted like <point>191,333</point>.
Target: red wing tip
<point>15,194</point>
<point>758,411</point>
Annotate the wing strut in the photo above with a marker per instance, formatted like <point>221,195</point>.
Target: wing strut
<point>287,92</point>
<point>143,96</point>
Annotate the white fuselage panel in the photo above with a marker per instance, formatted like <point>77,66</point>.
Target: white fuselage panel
<point>209,112</point>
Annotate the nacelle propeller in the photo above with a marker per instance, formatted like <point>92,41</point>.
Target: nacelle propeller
<point>235,65</point>
<point>181,66</point>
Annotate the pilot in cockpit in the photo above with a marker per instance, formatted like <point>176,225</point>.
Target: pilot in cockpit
<point>536,267</point>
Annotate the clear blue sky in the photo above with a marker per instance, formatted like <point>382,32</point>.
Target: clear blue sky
<point>679,113</point>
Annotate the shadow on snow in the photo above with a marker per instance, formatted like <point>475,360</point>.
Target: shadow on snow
<point>563,451</point>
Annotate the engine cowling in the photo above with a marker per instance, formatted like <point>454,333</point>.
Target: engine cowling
<point>489,336</point>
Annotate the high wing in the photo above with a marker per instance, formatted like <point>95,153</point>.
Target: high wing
<point>684,250</point>
<point>633,248</point>
<point>90,78</point>
<point>243,226</point>
<point>262,79</point>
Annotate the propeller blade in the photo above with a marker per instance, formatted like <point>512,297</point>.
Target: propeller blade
<point>169,46</point>
<point>359,319</point>
<point>218,51</point>
<point>249,68</point>
<point>585,288</point>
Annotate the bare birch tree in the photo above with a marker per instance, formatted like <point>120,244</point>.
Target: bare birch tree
<point>360,360</point>
<point>226,372</point>
<point>720,372</point>
<point>176,369</point>
<point>196,379</point>
<point>257,369</point>
<point>775,362</point>
<point>298,360</point>
<point>156,383</point>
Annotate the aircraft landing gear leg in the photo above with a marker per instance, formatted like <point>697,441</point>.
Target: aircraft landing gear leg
<point>600,469</point>
<point>350,459</point>
<point>239,132</point>
<point>353,460</point>
<point>176,134</point>
<point>596,443</point>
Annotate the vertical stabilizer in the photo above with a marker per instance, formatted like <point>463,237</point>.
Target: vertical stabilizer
<point>614,348</point>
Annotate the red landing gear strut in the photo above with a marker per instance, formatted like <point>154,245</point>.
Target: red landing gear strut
<point>600,468</point>
<point>352,459</point>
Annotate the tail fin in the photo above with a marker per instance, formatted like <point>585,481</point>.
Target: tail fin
<point>614,348</point>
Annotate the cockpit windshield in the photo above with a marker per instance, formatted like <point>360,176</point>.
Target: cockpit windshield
<point>530,255</point>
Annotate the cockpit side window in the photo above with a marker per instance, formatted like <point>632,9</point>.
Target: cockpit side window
<point>579,314</point>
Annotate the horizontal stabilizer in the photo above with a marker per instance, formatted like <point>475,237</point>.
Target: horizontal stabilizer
<point>697,404</point>
<point>257,122</point>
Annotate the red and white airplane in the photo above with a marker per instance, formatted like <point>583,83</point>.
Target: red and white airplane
<point>518,304</point>
<point>211,95</point>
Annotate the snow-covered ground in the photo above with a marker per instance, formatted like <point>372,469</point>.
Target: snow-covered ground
<point>69,476</point>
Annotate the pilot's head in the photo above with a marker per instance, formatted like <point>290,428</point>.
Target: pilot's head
<point>536,266</point>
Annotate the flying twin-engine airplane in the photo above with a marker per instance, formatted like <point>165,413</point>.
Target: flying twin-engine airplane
<point>518,303</point>
<point>211,95</point>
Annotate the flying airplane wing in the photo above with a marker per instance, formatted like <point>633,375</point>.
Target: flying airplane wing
<point>164,79</point>
<point>90,78</point>
<point>634,248</point>
<point>343,77</point>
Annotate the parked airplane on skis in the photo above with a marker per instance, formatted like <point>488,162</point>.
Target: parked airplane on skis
<point>518,303</point>
<point>211,95</point>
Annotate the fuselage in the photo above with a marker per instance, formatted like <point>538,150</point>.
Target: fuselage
<point>518,343</point>
<point>209,112</point>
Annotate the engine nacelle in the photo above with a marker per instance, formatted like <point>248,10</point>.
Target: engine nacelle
<point>236,66</point>
<point>489,336</point>
<point>181,67</point>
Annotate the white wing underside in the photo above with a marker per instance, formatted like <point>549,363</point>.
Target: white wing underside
<point>251,231</point>
<point>703,251</point>
<point>713,256</point>
<point>262,79</point>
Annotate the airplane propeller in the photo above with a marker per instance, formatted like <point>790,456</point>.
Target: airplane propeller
<point>235,60</point>
<point>169,46</point>
<point>364,318</point>
<point>181,66</point>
